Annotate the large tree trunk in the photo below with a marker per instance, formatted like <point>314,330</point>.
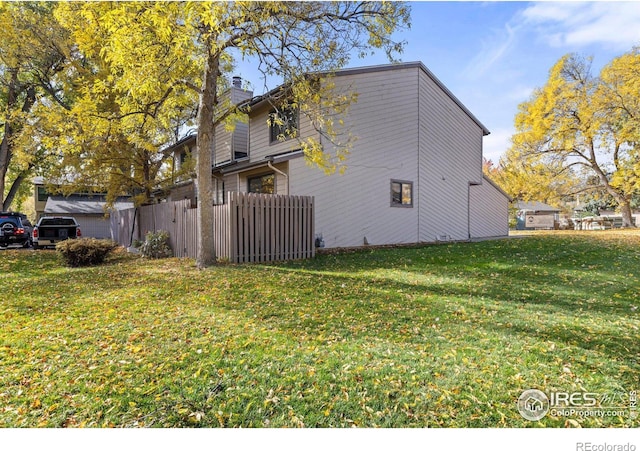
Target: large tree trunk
<point>205,140</point>
<point>11,195</point>
<point>625,210</point>
<point>6,151</point>
<point>4,162</point>
<point>624,203</point>
<point>5,146</point>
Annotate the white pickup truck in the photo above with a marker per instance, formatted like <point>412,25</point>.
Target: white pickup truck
<point>52,229</point>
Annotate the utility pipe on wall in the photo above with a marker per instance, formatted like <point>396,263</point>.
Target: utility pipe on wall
<point>273,168</point>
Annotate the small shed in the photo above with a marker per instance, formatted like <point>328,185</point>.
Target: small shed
<point>90,212</point>
<point>536,216</point>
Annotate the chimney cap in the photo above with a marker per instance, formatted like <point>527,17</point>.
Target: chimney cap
<point>237,81</point>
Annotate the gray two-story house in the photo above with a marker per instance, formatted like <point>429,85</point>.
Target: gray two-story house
<point>414,173</point>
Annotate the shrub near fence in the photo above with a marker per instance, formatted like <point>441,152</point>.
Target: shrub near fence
<point>250,227</point>
<point>177,218</point>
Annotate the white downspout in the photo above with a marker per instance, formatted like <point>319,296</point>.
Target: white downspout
<point>279,172</point>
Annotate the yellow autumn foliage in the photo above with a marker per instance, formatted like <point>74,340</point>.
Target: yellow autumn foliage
<point>577,126</point>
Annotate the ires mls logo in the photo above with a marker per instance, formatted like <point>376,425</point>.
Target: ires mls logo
<point>533,404</point>
<point>577,399</point>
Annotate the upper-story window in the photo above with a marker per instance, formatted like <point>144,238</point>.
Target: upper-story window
<point>283,124</point>
<point>43,195</point>
<point>184,164</point>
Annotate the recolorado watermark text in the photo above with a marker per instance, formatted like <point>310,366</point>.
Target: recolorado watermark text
<point>588,446</point>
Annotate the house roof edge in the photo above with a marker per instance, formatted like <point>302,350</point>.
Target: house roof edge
<point>496,186</point>
<point>385,67</point>
<point>426,70</point>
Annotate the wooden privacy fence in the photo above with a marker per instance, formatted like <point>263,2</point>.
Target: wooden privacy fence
<point>177,218</point>
<point>262,227</point>
<point>248,228</point>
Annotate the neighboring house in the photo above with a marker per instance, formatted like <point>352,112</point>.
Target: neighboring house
<point>606,219</point>
<point>536,215</point>
<point>413,175</point>
<point>88,209</point>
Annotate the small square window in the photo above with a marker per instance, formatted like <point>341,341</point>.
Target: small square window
<point>401,193</point>
<point>283,124</point>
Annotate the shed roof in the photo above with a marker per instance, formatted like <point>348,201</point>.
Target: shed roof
<point>80,205</point>
<point>536,206</point>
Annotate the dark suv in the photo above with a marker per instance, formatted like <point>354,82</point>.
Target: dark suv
<point>15,228</point>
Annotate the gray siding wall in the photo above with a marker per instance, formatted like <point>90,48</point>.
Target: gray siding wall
<point>408,128</point>
<point>356,205</point>
<point>227,142</point>
<point>489,211</point>
<point>450,147</point>
<point>186,191</point>
<point>93,226</point>
<point>222,146</point>
<point>259,137</point>
<point>232,183</point>
<point>240,139</point>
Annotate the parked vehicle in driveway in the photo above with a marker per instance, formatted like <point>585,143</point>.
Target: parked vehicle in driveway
<point>14,230</point>
<point>28,228</point>
<point>52,229</point>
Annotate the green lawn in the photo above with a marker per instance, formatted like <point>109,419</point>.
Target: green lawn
<point>445,335</point>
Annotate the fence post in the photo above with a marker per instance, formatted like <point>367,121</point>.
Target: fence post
<point>234,228</point>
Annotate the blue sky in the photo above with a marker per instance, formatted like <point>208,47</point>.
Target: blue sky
<point>492,55</point>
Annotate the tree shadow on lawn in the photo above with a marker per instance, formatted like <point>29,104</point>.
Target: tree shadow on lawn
<point>623,349</point>
<point>579,269</point>
<point>360,307</point>
<point>541,278</point>
<point>56,287</point>
<point>570,289</point>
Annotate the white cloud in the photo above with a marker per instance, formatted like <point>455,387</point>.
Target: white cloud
<point>493,49</point>
<point>565,25</point>
<point>579,24</point>
<point>512,57</point>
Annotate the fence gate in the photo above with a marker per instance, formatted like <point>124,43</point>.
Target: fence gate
<point>267,227</point>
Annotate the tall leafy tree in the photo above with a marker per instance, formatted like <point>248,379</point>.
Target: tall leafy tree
<point>32,55</point>
<point>113,137</point>
<point>620,91</point>
<point>532,178</point>
<point>289,41</point>
<point>582,122</point>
